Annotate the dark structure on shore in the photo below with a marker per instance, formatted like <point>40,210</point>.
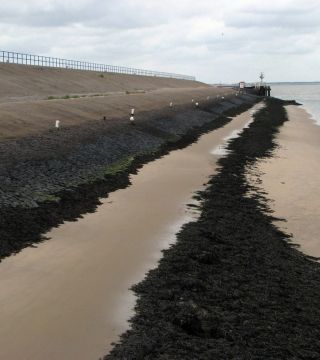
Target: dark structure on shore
<point>260,89</point>
<point>264,90</point>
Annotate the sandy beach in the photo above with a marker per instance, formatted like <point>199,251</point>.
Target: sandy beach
<point>291,179</point>
<point>68,298</point>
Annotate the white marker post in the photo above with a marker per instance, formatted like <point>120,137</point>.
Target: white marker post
<point>57,124</point>
<point>132,112</point>
<point>171,104</point>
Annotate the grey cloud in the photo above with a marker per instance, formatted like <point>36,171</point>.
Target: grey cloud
<point>293,17</point>
<point>110,14</point>
<point>184,36</point>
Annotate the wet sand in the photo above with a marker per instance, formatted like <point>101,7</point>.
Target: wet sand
<point>292,177</point>
<point>68,298</point>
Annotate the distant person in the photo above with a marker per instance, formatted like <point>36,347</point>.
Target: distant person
<point>262,91</point>
<point>269,91</point>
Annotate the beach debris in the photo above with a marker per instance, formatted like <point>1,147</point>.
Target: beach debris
<point>192,100</point>
<point>222,97</point>
<point>57,124</point>
<point>171,104</point>
<point>197,104</point>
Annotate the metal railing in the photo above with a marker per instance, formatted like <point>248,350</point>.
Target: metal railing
<point>46,61</point>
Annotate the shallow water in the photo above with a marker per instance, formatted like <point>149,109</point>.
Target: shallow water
<point>306,94</point>
<point>222,149</point>
<point>68,298</point>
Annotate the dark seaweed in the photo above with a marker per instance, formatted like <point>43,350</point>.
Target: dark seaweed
<point>233,286</point>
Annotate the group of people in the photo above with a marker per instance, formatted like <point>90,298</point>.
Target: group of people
<point>265,90</point>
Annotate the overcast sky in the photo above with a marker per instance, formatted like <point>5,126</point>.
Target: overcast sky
<point>215,40</point>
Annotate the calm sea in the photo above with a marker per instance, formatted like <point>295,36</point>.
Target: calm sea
<point>306,94</point>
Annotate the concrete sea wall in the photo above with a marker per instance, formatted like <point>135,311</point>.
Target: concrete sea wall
<point>34,168</point>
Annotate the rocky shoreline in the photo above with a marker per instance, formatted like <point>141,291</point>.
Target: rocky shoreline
<point>233,286</point>
<point>60,175</point>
